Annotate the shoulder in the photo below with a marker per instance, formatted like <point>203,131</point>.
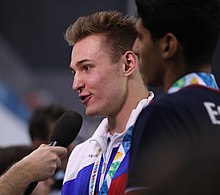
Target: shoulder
<point>84,147</point>
<point>82,156</point>
<point>158,108</point>
<point>164,113</point>
<point>184,99</point>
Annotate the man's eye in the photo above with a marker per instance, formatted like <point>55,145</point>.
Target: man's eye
<point>86,67</point>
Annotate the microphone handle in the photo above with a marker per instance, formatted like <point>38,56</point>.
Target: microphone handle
<point>33,185</point>
<point>30,188</point>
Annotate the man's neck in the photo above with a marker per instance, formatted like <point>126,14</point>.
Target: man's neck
<point>117,123</point>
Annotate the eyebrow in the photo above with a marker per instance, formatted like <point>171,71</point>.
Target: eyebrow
<point>81,61</point>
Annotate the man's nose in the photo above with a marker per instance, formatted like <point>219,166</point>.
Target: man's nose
<point>77,83</point>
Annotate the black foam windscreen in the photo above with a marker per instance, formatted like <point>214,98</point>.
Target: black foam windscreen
<point>67,128</point>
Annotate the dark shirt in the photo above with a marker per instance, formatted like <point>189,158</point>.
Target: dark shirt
<point>176,144</point>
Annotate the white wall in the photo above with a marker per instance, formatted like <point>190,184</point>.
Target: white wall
<point>13,130</point>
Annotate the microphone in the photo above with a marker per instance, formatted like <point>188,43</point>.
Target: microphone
<point>65,131</point>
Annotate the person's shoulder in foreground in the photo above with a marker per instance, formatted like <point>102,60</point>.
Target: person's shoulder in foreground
<point>175,140</point>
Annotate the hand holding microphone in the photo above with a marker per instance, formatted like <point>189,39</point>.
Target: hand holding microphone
<point>42,162</point>
<point>65,131</point>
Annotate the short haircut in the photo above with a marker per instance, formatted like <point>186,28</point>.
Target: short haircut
<point>117,29</point>
<point>40,119</point>
<point>195,23</point>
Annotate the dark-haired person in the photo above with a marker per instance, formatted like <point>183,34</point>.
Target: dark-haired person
<point>109,84</point>
<point>42,122</point>
<point>175,145</point>
<point>37,166</point>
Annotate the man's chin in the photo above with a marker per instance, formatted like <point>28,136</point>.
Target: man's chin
<point>93,113</point>
<point>90,112</point>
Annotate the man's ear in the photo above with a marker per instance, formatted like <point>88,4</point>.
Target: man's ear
<point>130,62</point>
<point>169,46</point>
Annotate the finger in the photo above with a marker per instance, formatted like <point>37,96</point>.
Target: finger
<point>60,151</point>
<point>42,145</point>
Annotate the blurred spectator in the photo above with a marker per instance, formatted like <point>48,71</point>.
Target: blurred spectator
<point>42,123</point>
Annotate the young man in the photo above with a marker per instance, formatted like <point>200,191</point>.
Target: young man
<point>37,166</point>
<point>108,82</point>
<point>175,144</point>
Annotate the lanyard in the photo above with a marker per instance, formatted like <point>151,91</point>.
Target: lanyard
<point>200,78</point>
<point>121,153</point>
<point>94,174</point>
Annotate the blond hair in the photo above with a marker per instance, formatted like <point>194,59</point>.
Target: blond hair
<point>117,29</point>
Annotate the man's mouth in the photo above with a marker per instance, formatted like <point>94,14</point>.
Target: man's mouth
<point>85,98</point>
